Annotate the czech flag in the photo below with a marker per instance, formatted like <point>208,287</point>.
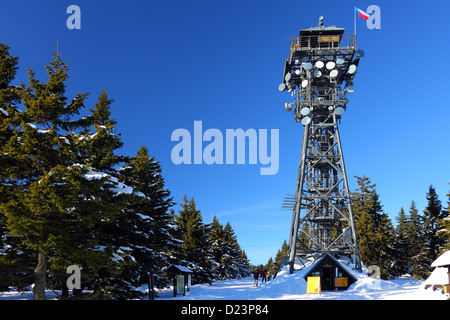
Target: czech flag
<point>361,14</point>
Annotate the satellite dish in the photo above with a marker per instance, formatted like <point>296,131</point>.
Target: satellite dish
<point>282,87</point>
<point>308,66</point>
<point>334,73</point>
<point>319,64</point>
<point>352,69</point>
<point>297,61</point>
<point>287,77</point>
<point>288,107</point>
<point>340,61</point>
<point>360,53</point>
<point>350,89</point>
<point>304,83</point>
<point>306,121</point>
<point>339,111</point>
<point>331,65</point>
<point>305,111</point>
<point>317,73</point>
<point>298,72</point>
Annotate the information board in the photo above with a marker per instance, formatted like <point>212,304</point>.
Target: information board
<point>180,284</point>
<point>313,285</point>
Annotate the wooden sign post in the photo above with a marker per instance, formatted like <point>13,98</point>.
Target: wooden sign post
<point>313,286</point>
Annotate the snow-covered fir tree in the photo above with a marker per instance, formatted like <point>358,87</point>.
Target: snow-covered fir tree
<point>195,250</point>
<point>432,215</point>
<point>373,228</point>
<point>144,227</point>
<point>230,261</point>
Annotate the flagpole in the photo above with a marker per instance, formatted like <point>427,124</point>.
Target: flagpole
<point>354,20</point>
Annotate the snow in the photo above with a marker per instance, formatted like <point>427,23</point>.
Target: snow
<point>293,287</point>
<point>182,268</point>
<point>442,260</point>
<point>438,276</point>
<point>288,287</point>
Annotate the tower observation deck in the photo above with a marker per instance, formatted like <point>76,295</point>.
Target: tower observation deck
<point>319,74</point>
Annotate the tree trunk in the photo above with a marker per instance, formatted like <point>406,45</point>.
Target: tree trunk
<point>40,275</point>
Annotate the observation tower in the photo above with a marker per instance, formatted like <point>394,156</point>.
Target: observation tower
<point>319,74</point>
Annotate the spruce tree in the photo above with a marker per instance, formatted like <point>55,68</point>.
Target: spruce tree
<point>40,153</point>
<point>218,249</point>
<point>444,228</point>
<point>373,228</point>
<point>235,266</point>
<point>414,236</point>
<point>401,245</point>
<point>281,253</point>
<point>145,224</point>
<point>61,202</point>
<point>195,250</point>
<point>15,259</point>
<point>432,215</point>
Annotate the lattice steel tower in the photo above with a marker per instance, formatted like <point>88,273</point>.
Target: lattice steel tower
<point>319,73</point>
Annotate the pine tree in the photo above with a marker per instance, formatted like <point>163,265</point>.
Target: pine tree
<point>373,228</point>
<point>195,248</point>
<point>432,215</point>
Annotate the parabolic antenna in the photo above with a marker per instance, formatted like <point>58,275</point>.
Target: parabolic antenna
<point>340,61</point>
<point>298,72</point>
<point>305,111</point>
<point>360,53</point>
<point>352,69</point>
<point>319,64</point>
<point>288,107</point>
<point>331,65</point>
<point>339,111</point>
<point>288,77</point>
<point>334,73</point>
<point>308,66</point>
<point>306,121</point>
<point>317,73</point>
<point>282,87</point>
<point>304,83</point>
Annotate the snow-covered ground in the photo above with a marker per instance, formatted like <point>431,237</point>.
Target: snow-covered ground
<point>293,287</point>
<point>278,289</point>
<point>290,287</point>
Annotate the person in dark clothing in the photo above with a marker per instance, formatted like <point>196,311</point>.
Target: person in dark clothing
<point>263,275</point>
<point>255,278</point>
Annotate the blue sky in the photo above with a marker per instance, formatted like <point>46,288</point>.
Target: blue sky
<point>170,63</point>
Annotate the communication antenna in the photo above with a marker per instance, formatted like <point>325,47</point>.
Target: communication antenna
<point>319,72</point>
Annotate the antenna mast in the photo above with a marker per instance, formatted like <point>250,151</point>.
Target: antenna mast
<point>319,73</point>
